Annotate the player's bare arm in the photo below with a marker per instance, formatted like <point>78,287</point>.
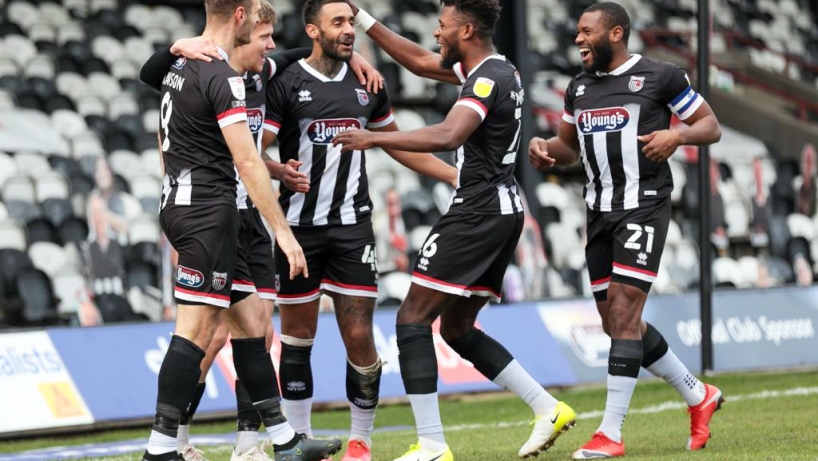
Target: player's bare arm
<point>445,136</point>
<point>287,173</point>
<point>561,150</point>
<point>702,129</point>
<point>407,53</point>
<point>425,164</point>
<point>252,172</point>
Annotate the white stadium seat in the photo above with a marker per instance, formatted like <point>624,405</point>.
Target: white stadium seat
<point>71,289</point>
<point>143,228</point>
<point>125,163</point>
<point>32,163</point>
<point>51,185</point>
<point>20,188</point>
<point>48,257</point>
<point>12,236</point>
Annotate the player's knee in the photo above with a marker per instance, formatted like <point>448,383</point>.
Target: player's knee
<point>625,309</point>
<point>451,330</point>
<point>416,312</point>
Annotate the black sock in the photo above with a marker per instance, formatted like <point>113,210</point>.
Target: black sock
<point>654,346</point>
<point>178,378</point>
<point>488,356</point>
<point>418,363</point>
<point>363,391</point>
<point>194,404</point>
<point>296,372</point>
<point>248,419</point>
<point>625,357</point>
<point>254,367</point>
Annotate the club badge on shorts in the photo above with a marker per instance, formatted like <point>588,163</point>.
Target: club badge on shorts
<point>219,280</point>
<point>636,83</point>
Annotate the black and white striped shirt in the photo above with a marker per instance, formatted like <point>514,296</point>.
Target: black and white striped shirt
<point>609,111</point>
<point>306,110</point>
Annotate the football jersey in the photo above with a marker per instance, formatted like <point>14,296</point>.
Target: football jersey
<point>609,111</point>
<point>485,163</point>
<point>306,109</point>
<point>199,99</point>
<point>256,89</point>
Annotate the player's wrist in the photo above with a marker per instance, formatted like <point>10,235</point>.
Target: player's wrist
<point>365,20</point>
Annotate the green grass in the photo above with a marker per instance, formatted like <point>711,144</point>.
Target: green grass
<point>782,428</point>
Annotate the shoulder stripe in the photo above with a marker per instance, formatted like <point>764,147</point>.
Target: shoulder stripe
<point>232,116</point>
<point>569,118</point>
<point>386,120</point>
<point>474,104</point>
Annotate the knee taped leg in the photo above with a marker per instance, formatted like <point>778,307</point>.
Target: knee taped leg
<point>487,355</point>
<point>363,389</point>
<point>178,378</point>
<point>248,418</point>
<point>254,368</point>
<point>625,358</point>
<point>418,363</point>
<point>653,345</point>
<point>296,371</point>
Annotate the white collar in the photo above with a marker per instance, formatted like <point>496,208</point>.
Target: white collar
<point>626,66</point>
<point>224,54</point>
<point>341,74</point>
<point>493,56</point>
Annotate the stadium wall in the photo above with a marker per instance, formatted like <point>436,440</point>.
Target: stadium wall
<point>68,377</point>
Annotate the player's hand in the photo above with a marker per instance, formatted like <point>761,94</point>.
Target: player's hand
<point>295,255</point>
<point>660,144</point>
<point>355,140</point>
<point>354,7</point>
<point>293,179</point>
<point>199,48</point>
<point>367,75</point>
<point>538,154</point>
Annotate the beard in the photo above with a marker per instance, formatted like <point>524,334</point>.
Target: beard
<point>453,55</point>
<point>603,56</point>
<point>330,47</point>
<point>243,34</point>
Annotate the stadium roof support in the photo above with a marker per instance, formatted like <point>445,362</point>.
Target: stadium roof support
<point>705,279</point>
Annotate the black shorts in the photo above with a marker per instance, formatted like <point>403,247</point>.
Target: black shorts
<point>468,254</point>
<point>257,247</point>
<point>340,259</point>
<point>211,269</point>
<point>626,246</point>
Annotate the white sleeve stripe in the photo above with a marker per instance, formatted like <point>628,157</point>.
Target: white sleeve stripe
<point>273,68</point>
<point>569,119</point>
<point>680,105</point>
<point>692,109</point>
<point>474,106</point>
<point>385,122</point>
<point>458,70</point>
<point>271,127</point>
<point>231,119</point>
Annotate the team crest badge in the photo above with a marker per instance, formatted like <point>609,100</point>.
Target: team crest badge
<point>219,280</point>
<point>257,79</point>
<point>518,78</point>
<point>636,83</point>
<point>237,87</point>
<point>363,98</point>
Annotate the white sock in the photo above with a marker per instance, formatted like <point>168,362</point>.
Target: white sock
<point>298,414</point>
<point>672,370</point>
<point>363,423</point>
<point>182,437</point>
<point>159,444</point>
<point>515,379</point>
<point>620,391</point>
<point>427,420</point>
<point>245,440</point>
<point>280,433</point>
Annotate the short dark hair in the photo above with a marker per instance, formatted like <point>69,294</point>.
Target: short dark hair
<point>313,7</point>
<point>267,14</point>
<point>614,15</point>
<point>483,13</point>
<point>226,8</point>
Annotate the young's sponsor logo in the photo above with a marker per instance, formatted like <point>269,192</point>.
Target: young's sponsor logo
<point>603,120</point>
<point>189,277</point>
<point>322,131</point>
<point>255,119</point>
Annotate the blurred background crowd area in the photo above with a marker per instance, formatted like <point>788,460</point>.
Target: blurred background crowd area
<point>79,236</point>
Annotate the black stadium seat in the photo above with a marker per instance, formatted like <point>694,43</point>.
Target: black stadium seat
<point>142,275</point>
<point>115,308</point>
<point>145,252</point>
<point>57,210</point>
<point>38,297</point>
<point>66,166</point>
<point>22,211</point>
<point>73,230</point>
<point>41,230</point>
<point>58,102</point>
<point>80,184</point>
<point>11,263</point>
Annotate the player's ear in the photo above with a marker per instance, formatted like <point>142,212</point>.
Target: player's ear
<point>467,31</point>
<point>312,31</point>
<point>240,14</point>
<point>616,34</point>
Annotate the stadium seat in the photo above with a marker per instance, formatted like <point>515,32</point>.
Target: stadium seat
<point>12,262</point>
<point>8,167</point>
<point>80,184</point>
<point>56,210</point>
<point>393,287</point>
<point>48,257</point>
<point>727,273</point>
<point>125,163</point>
<point>19,188</point>
<point>73,230</point>
<point>8,67</point>
<point>143,228</point>
<point>801,226</point>
<point>115,308</point>
<point>35,289</point>
<point>40,229</point>
<point>142,275</point>
<point>51,185</point>
<point>22,211</point>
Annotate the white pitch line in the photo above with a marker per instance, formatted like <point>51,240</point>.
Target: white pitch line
<point>658,408</point>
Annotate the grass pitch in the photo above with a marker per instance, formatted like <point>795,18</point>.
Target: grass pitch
<point>767,417</point>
